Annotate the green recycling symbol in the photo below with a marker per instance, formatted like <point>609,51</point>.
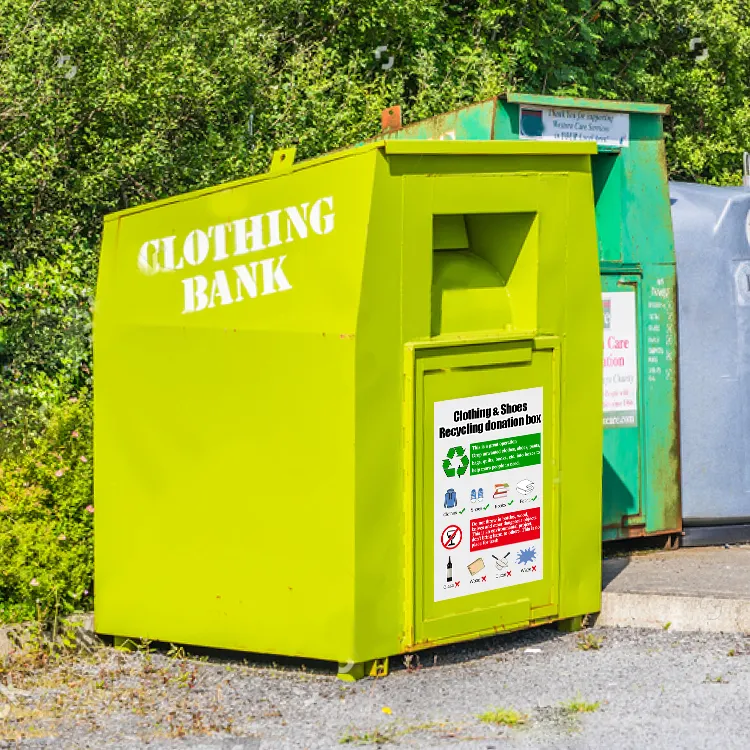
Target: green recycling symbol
<point>448,468</point>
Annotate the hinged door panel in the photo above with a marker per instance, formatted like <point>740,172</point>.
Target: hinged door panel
<point>487,504</point>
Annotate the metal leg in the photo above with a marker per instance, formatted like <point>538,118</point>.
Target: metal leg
<point>352,671</point>
<point>571,624</point>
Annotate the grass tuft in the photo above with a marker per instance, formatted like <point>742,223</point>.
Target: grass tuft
<point>719,679</point>
<point>375,737</point>
<point>503,716</point>
<point>589,642</point>
<point>579,706</point>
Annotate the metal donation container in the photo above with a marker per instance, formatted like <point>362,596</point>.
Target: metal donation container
<point>712,239</point>
<point>636,254</point>
<point>343,409</point>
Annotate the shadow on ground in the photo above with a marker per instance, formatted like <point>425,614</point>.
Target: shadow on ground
<point>456,653</point>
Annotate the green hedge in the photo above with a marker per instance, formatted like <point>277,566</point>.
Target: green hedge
<point>106,104</point>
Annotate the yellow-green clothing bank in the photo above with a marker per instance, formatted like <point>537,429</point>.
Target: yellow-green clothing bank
<point>352,408</point>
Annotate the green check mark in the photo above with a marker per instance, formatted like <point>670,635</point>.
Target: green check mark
<point>461,511</point>
<point>486,506</point>
<point>510,502</point>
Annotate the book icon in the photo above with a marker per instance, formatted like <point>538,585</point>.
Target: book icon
<point>501,491</point>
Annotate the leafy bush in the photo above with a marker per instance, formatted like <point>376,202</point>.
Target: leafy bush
<point>46,544</point>
<point>106,104</point>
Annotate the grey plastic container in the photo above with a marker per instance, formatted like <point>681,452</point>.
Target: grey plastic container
<point>712,244</point>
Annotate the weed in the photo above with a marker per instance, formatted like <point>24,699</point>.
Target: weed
<point>732,652</point>
<point>428,726</point>
<point>589,642</point>
<point>176,652</point>
<point>186,677</point>
<point>503,716</point>
<point>666,626</point>
<point>375,737</point>
<point>579,706</point>
<point>411,662</point>
<point>718,679</point>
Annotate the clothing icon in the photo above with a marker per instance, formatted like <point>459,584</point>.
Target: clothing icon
<point>473,494</point>
<point>451,501</point>
<point>480,494</point>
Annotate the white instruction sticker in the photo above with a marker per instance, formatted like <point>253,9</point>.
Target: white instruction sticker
<point>488,492</point>
<point>555,124</point>
<point>620,360</point>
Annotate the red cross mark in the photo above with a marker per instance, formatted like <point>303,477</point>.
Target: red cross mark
<point>509,572</point>
<point>484,578</point>
<point>533,567</point>
<point>458,583</point>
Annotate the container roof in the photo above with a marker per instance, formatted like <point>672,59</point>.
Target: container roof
<point>485,148</point>
<point>390,147</point>
<point>574,102</point>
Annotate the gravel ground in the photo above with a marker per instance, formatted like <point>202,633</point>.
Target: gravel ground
<point>642,689</point>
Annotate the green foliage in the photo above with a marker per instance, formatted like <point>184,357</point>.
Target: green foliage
<point>589,642</point>
<point>580,706</point>
<point>503,716</point>
<point>375,737</point>
<point>45,338</point>
<point>107,104</point>
<point>46,545</point>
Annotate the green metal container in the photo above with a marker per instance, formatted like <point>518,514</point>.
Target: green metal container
<point>637,263</point>
<point>343,409</point>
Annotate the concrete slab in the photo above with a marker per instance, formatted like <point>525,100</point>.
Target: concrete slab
<point>13,635</point>
<point>695,589</point>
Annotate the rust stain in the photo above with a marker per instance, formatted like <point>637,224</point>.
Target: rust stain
<point>440,127</point>
<point>436,123</point>
<point>639,532</point>
<point>390,119</point>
